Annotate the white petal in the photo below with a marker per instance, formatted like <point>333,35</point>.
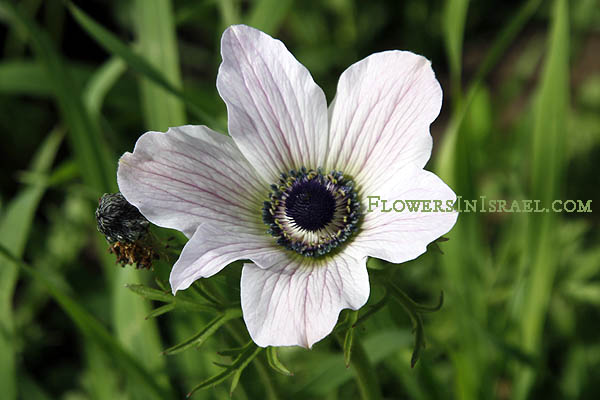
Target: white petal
<point>188,176</point>
<point>296,301</point>
<point>211,249</point>
<point>381,115</point>
<point>277,114</point>
<point>402,236</point>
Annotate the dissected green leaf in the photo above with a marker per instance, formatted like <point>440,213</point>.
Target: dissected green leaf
<point>200,288</point>
<point>373,309</point>
<point>238,364</point>
<point>414,311</point>
<point>399,294</point>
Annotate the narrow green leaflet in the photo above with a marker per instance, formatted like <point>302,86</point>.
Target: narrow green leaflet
<point>349,337</point>
<point>373,309</point>
<point>151,293</point>
<point>234,352</point>
<point>199,338</point>
<point>161,310</point>
<point>399,294</point>
<point>179,301</point>
<point>348,340</point>
<point>235,380</point>
<point>275,363</point>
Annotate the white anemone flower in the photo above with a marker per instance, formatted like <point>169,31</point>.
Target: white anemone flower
<point>287,189</point>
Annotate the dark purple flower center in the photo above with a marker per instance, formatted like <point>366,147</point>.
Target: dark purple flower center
<point>310,205</point>
<point>312,213</point>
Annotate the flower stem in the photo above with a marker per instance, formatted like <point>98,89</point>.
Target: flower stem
<point>364,373</point>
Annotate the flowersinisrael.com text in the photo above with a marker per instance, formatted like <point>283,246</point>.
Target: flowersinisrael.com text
<point>483,204</point>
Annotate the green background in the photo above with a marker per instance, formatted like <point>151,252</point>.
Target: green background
<point>520,120</point>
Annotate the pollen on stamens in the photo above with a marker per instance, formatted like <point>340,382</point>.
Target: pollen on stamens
<point>312,213</point>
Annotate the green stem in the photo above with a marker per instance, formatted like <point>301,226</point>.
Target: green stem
<point>364,374</point>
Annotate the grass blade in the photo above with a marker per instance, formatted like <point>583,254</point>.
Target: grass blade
<point>157,44</point>
<point>114,46</point>
<point>14,230</point>
<point>24,77</point>
<point>93,330</point>
<point>268,15</point>
<point>445,163</point>
<point>463,268</point>
<point>455,16</point>
<point>548,142</point>
<point>93,157</point>
<point>100,83</point>
<point>137,334</point>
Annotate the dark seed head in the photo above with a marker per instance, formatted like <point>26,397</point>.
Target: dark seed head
<point>120,221</point>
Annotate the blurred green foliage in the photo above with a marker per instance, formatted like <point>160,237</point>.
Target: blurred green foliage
<point>521,120</point>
